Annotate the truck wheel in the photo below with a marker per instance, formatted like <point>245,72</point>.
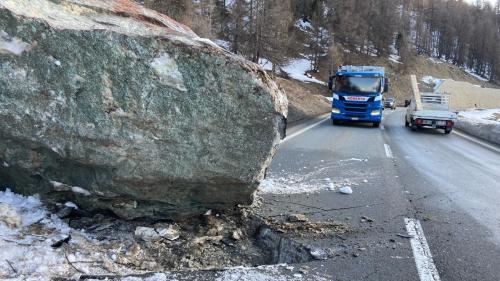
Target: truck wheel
<point>448,130</point>
<point>376,124</point>
<point>406,123</point>
<point>413,127</point>
<point>335,122</point>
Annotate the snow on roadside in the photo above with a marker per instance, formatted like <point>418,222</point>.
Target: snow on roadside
<point>28,232</point>
<point>28,255</point>
<point>278,272</point>
<point>311,182</point>
<point>297,68</point>
<point>264,273</point>
<point>485,116</point>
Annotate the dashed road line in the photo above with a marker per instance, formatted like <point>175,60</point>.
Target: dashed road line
<point>423,258</point>
<point>388,151</point>
<point>304,130</point>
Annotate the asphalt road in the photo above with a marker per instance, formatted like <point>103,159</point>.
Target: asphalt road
<point>447,183</point>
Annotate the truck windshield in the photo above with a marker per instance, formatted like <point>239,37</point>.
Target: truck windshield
<point>358,85</point>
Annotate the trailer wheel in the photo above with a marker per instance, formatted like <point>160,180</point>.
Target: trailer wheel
<point>448,130</point>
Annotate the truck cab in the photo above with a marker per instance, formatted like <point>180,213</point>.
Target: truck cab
<point>357,94</point>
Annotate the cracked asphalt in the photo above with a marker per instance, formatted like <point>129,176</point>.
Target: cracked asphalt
<point>448,183</point>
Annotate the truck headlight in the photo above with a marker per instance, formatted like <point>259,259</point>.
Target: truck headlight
<point>375,112</point>
<point>336,97</point>
<point>335,110</point>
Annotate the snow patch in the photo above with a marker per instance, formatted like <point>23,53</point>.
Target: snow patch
<point>395,58</point>
<point>297,69</point>
<point>262,273</point>
<point>432,81</point>
<point>300,183</point>
<point>304,25</point>
<point>31,254</point>
<point>223,43</point>
<point>471,72</point>
<point>485,116</point>
<point>266,64</point>
<point>434,60</point>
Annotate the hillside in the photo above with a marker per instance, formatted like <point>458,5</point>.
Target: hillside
<point>422,66</point>
<point>307,99</point>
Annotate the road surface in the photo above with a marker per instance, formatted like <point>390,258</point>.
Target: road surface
<point>447,184</point>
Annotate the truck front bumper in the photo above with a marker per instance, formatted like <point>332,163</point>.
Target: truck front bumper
<point>356,117</point>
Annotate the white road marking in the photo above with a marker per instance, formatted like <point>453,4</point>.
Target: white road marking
<point>473,139</point>
<point>388,151</point>
<point>304,130</point>
<point>423,258</point>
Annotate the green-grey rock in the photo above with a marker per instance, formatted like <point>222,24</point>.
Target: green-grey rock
<point>116,107</point>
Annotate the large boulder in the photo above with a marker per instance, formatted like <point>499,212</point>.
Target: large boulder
<point>117,107</point>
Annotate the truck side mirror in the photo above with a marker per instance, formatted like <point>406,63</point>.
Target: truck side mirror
<point>330,82</point>
<point>387,84</point>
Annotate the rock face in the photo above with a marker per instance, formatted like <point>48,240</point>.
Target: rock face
<point>113,106</point>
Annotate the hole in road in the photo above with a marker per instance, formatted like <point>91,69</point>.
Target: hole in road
<point>213,241</point>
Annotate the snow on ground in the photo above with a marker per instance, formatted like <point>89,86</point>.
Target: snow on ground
<point>27,254</point>
<point>297,68</point>
<point>432,81</point>
<point>395,58</point>
<point>266,64</point>
<point>486,116</point>
<point>28,232</point>
<point>304,25</point>
<point>295,183</point>
<point>433,60</point>
<point>28,237</point>
<point>311,182</point>
<point>471,72</point>
<point>263,273</point>
<point>279,272</point>
<point>223,43</point>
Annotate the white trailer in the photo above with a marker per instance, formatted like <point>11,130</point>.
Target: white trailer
<point>429,110</point>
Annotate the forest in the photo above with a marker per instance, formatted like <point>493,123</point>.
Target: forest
<point>461,33</point>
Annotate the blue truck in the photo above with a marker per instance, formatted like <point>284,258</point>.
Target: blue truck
<point>357,94</point>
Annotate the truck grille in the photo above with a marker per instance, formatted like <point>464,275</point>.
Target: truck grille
<point>362,105</point>
<point>355,107</point>
<point>355,116</point>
